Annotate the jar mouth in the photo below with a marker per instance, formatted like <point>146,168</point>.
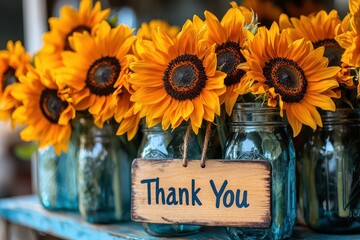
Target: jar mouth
<point>158,127</point>
<point>341,116</point>
<point>255,113</point>
<point>241,105</point>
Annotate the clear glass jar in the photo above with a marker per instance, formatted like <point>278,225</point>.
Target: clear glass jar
<point>259,133</point>
<point>103,174</point>
<point>329,163</point>
<point>56,178</point>
<point>159,144</point>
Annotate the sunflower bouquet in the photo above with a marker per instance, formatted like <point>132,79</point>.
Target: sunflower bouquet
<point>165,75</point>
<point>80,72</point>
<point>294,65</point>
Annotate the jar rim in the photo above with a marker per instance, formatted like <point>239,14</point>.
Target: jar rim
<point>255,113</point>
<point>341,115</point>
<point>158,127</point>
<point>255,108</point>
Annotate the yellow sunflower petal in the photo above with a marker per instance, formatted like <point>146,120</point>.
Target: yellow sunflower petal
<point>302,114</point>
<point>217,31</point>
<point>321,101</point>
<point>294,123</point>
<point>197,115</point>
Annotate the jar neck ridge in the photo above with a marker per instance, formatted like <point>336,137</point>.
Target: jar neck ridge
<point>341,116</point>
<point>255,114</point>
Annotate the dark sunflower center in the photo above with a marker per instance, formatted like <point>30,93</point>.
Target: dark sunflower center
<point>333,51</point>
<point>185,77</point>
<point>51,105</point>
<point>228,58</point>
<point>8,78</point>
<point>102,76</point>
<point>79,29</point>
<point>287,77</point>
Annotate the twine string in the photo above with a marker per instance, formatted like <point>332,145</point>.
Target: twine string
<point>185,146</point>
<point>206,144</point>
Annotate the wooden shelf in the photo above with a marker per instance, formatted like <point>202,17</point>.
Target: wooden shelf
<point>28,212</point>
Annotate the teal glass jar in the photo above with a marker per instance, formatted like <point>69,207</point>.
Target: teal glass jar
<point>103,174</point>
<point>159,144</point>
<point>259,133</point>
<point>329,161</point>
<point>57,178</point>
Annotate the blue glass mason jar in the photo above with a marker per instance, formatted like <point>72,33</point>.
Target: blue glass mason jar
<point>159,144</point>
<point>255,133</point>
<point>329,161</point>
<point>57,178</point>
<point>104,170</point>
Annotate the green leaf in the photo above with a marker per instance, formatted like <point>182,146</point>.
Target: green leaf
<point>24,151</point>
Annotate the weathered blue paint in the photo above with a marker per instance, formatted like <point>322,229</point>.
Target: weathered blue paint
<point>27,211</point>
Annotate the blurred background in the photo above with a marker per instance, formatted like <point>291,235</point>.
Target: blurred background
<point>26,20</point>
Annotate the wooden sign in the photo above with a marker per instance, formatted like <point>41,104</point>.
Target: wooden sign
<point>224,193</point>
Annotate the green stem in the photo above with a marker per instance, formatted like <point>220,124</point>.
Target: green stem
<point>221,129</point>
<point>116,183</point>
<point>313,201</point>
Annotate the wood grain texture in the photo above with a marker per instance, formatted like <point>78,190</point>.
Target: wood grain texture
<point>254,177</point>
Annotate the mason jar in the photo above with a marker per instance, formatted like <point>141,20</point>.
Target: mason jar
<point>159,144</point>
<point>57,178</point>
<point>104,174</point>
<point>329,161</point>
<point>260,133</point>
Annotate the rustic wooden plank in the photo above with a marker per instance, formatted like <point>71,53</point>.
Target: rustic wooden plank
<point>28,212</point>
<point>224,193</point>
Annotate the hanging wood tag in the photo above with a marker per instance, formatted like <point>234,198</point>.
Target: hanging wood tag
<point>224,193</point>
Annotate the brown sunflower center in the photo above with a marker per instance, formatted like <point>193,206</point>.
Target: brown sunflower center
<point>51,105</point>
<point>287,77</point>
<point>8,78</point>
<point>79,29</point>
<point>333,51</point>
<point>102,75</point>
<point>185,77</point>
<point>228,58</point>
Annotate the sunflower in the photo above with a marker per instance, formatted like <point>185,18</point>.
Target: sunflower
<point>147,28</point>
<point>229,37</point>
<point>46,111</point>
<point>123,107</point>
<point>320,30</point>
<point>14,62</point>
<point>350,40</point>
<point>96,64</point>
<point>344,36</point>
<point>250,17</point>
<point>129,120</point>
<point>291,74</point>
<point>176,80</point>
<point>70,21</point>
